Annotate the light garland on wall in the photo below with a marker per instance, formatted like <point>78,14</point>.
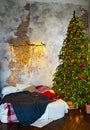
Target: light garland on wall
<point>24,55</point>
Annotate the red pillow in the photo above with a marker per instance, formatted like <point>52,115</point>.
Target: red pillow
<point>50,94</point>
<point>42,88</point>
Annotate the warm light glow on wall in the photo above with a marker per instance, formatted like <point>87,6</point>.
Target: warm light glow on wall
<point>24,55</point>
<point>21,54</point>
<point>36,52</point>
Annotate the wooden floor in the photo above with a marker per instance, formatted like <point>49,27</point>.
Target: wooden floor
<point>74,120</point>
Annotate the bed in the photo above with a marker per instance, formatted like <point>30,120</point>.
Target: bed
<point>36,106</point>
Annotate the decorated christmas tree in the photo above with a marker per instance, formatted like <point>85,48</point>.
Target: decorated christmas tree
<point>72,77</point>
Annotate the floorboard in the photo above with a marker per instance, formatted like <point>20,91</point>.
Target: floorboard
<point>74,120</point>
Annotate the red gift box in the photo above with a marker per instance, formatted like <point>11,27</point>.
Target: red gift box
<point>87,108</point>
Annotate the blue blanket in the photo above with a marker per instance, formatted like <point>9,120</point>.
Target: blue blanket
<point>28,106</point>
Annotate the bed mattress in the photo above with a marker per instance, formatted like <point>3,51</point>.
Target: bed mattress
<point>54,110</point>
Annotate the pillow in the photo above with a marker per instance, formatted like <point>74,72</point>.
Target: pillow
<point>9,89</point>
<point>42,88</point>
<point>22,86</point>
<point>31,89</point>
<point>50,94</point>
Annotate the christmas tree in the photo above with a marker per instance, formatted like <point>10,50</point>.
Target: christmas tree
<point>72,77</point>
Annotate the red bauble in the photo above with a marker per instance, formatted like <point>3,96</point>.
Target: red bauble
<point>71,56</point>
<point>69,27</point>
<point>79,77</point>
<point>67,81</point>
<point>83,65</point>
<point>82,57</point>
<point>68,95</point>
<point>88,94</point>
<point>61,95</point>
<point>81,29</point>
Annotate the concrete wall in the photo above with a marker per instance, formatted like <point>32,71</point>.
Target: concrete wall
<point>79,2</point>
<point>43,21</point>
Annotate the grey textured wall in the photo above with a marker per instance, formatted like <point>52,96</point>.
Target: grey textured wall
<point>48,24</point>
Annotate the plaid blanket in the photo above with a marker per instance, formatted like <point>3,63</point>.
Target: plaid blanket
<point>27,102</point>
<point>10,116</point>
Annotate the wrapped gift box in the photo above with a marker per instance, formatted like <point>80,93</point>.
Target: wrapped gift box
<point>87,108</point>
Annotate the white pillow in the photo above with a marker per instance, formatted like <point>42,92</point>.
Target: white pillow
<point>22,86</point>
<point>9,89</point>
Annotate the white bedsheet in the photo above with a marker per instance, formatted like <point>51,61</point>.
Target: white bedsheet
<point>3,113</point>
<point>54,111</point>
